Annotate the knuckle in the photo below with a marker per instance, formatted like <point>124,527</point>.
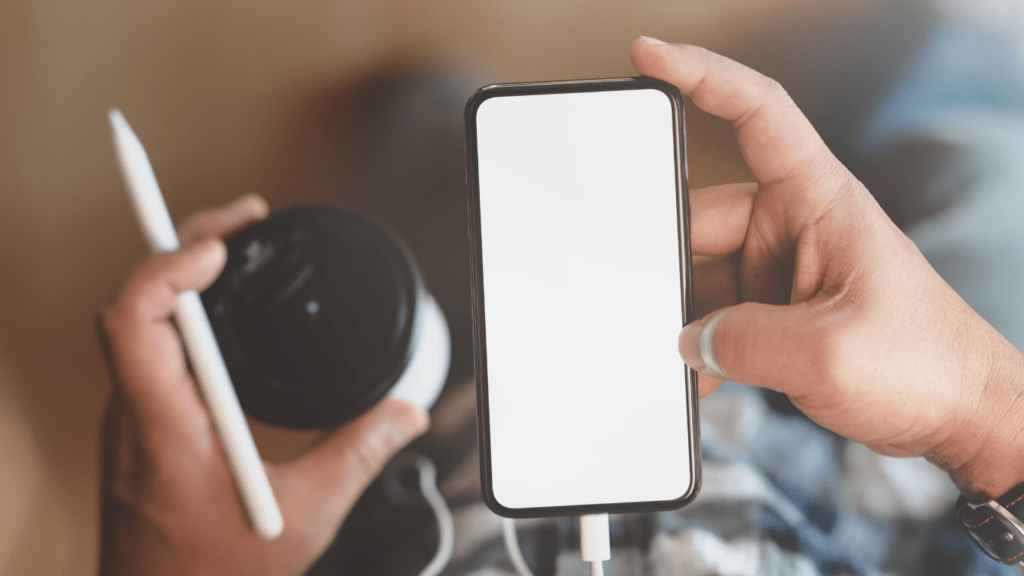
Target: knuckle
<point>775,88</point>
<point>775,92</point>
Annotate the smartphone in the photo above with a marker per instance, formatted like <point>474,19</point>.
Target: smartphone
<point>579,216</point>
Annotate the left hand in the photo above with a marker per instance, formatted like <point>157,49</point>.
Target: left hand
<point>170,504</point>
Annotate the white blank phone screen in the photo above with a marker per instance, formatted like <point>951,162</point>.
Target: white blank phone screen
<point>582,299</point>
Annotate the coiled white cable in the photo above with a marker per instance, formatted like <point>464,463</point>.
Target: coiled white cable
<point>595,544</point>
<point>512,547</point>
<point>427,473</point>
<point>445,522</point>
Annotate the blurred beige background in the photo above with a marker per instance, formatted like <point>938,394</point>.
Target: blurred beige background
<point>226,97</point>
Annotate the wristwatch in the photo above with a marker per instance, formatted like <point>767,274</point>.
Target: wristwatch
<point>996,526</point>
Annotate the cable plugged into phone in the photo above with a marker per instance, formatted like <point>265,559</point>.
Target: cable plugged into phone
<point>595,542</point>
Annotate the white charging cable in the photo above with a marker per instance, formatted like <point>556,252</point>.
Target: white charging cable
<point>595,542</point>
<point>512,547</point>
<point>445,523</point>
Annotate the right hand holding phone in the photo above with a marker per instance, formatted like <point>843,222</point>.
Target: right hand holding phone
<point>803,285</point>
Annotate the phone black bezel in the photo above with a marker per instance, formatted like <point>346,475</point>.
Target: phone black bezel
<point>686,269</point>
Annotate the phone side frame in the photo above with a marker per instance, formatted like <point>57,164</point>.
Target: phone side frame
<point>477,291</point>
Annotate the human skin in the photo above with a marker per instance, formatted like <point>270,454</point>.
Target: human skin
<point>169,501</point>
<point>803,285</point>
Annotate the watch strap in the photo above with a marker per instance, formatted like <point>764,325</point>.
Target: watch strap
<point>996,525</point>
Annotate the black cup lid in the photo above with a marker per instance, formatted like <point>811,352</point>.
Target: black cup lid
<point>314,314</point>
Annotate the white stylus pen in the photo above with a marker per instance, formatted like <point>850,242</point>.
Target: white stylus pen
<point>200,343</point>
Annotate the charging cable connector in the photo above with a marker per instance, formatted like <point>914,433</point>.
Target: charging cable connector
<point>595,543</point>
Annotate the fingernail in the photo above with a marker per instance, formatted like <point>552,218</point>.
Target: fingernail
<point>653,41</point>
<point>689,345</point>
<point>696,346</point>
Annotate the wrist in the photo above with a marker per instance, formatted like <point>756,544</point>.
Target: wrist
<point>984,454</point>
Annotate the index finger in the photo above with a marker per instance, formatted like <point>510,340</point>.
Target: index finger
<point>223,221</point>
<point>777,140</point>
<point>147,359</point>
